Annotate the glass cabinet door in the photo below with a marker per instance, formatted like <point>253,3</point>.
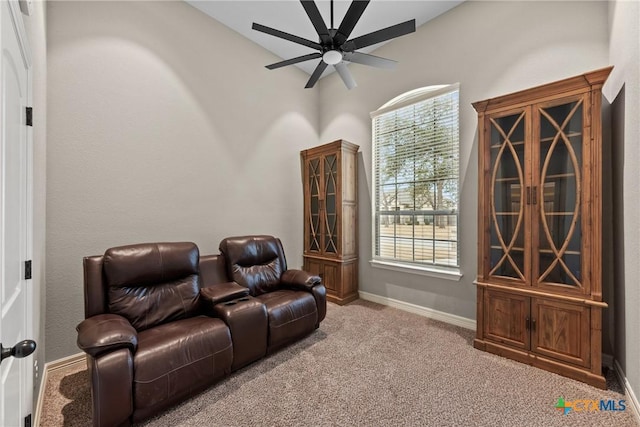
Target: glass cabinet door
<point>507,187</point>
<point>314,233</point>
<point>331,204</point>
<point>558,209</point>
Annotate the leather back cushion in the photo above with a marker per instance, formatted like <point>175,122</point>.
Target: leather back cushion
<point>152,283</point>
<point>256,262</point>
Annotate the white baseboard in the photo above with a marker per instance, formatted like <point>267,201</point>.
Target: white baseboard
<point>65,362</point>
<point>635,405</point>
<point>49,367</point>
<point>463,322</point>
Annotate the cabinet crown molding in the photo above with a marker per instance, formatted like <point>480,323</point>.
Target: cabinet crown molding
<point>582,82</point>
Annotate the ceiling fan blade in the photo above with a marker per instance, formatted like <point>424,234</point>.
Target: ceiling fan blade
<point>316,74</point>
<point>345,75</point>
<point>316,19</point>
<point>350,20</point>
<point>294,60</point>
<point>286,36</point>
<point>366,59</point>
<point>380,36</point>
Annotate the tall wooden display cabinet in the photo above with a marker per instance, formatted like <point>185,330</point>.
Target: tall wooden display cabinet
<point>330,217</point>
<point>539,227</point>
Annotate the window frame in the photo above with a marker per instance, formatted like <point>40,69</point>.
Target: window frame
<point>433,270</point>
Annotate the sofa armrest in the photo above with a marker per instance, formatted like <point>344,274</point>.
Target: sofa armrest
<point>223,292</point>
<point>300,279</point>
<point>105,333</point>
<point>111,388</point>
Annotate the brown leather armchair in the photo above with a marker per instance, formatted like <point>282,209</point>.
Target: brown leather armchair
<point>295,300</point>
<point>148,343</point>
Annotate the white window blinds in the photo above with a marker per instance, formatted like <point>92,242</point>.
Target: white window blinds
<point>416,152</point>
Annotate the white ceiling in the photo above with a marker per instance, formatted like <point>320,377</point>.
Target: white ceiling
<point>290,17</point>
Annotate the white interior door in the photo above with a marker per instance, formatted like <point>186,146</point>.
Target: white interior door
<point>16,375</point>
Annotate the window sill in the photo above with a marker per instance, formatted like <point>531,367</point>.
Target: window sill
<point>453,274</point>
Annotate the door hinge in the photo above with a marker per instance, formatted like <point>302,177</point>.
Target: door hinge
<point>27,270</point>
<point>29,116</point>
<point>27,421</point>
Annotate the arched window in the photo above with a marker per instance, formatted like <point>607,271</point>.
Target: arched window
<point>416,173</point>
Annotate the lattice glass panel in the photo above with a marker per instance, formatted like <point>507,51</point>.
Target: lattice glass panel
<point>330,194</point>
<point>314,205</point>
<point>507,193</point>
<point>560,189</point>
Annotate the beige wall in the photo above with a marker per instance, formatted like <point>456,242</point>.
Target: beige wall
<point>623,91</point>
<point>163,125</point>
<point>490,48</point>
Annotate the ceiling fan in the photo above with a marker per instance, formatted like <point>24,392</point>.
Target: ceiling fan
<point>334,46</point>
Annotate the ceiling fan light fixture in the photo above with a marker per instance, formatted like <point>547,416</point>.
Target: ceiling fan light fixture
<point>332,57</point>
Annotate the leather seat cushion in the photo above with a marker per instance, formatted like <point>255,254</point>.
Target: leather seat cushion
<point>177,359</point>
<point>292,314</point>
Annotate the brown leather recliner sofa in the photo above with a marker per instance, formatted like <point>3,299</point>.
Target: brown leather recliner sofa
<point>163,323</point>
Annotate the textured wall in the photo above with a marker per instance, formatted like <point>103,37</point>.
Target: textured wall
<point>623,91</point>
<point>491,48</point>
<point>163,125</point>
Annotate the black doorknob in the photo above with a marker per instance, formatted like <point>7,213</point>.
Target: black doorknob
<point>22,349</point>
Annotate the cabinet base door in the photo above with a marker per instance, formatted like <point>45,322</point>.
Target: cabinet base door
<point>561,331</point>
<point>505,319</point>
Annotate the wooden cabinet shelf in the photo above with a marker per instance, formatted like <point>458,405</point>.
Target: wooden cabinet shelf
<point>513,248</point>
<point>514,143</point>
<point>568,135</point>
<point>561,175</point>
<point>514,178</point>
<point>539,227</point>
<point>549,251</point>
<point>330,217</point>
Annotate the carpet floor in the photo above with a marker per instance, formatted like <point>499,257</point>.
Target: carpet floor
<point>368,365</point>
